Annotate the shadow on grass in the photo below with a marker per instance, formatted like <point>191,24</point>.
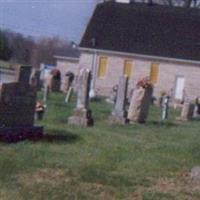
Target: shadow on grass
<point>162,124</point>
<point>47,138</point>
<point>58,136</point>
<point>97,99</point>
<point>55,136</point>
<point>195,120</point>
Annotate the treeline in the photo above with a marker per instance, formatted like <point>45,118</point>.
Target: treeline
<point>21,49</point>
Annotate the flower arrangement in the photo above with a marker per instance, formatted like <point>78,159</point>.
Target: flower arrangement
<point>39,109</point>
<point>56,73</point>
<point>39,106</point>
<point>144,82</point>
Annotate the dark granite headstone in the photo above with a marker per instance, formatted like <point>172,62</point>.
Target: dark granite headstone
<point>23,74</point>
<point>55,85</point>
<point>55,80</point>
<point>17,108</point>
<point>17,105</point>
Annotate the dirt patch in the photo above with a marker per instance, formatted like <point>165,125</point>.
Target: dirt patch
<point>3,195</point>
<point>56,178</point>
<point>181,187</point>
<point>99,190</point>
<point>164,185</point>
<point>44,176</point>
<point>182,183</point>
<point>137,195</point>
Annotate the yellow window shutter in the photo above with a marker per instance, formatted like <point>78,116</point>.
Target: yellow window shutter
<point>128,68</point>
<point>102,67</point>
<point>154,73</point>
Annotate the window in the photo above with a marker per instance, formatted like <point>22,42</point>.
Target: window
<point>128,68</point>
<point>102,67</point>
<point>179,87</point>
<point>154,73</point>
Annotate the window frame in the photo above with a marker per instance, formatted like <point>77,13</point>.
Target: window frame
<point>131,67</point>
<point>99,75</point>
<point>154,69</point>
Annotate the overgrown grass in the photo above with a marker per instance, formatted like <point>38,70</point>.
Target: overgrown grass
<point>149,162</point>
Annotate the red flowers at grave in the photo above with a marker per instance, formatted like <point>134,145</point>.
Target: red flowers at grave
<point>56,74</point>
<point>39,107</point>
<point>145,83</point>
<point>39,110</point>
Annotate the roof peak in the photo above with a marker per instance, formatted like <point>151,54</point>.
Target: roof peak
<point>131,4</point>
<point>150,30</point>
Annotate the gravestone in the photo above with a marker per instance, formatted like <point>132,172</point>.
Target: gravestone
<point>195,173</point>
<point>17,109</point>
<point>113,95</point>
<point>140,102</point>
<point>186,112</point>
<point>54,80</point>
<point>67,82</point>
<point>35,79</point>
<point>196,113</point>
<point>68,95</point>
<point>23,75</point>
<point>164,104</point>
<point>119,114</point>
<point>82,114</point>
<point>45,92</point>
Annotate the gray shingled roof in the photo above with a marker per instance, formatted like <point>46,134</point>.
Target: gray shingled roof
<point>68,52</point>
<point>143,29</point>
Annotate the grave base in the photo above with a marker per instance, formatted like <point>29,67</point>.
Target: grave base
<point>16,134</point>
<point>138,121</point>
<point>187,112</point>
<point>81,117</point>
<point>118,120</point>
<point>182,119</point>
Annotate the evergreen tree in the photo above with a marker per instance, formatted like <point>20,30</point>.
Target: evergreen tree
<point>5,51</point>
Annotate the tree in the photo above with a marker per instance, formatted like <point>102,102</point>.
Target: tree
<point>46,48</point>
<point>5,51</point>
<point>27,50</point>
<point>21,47</point>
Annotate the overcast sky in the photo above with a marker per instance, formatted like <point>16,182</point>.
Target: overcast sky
<point>65,18</point>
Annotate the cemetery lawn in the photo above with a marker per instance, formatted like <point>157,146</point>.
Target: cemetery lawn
<point>149,162</point>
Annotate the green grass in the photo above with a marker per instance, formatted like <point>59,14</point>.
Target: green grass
<point>150,162</point>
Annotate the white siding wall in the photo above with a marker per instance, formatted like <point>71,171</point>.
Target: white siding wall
<point>64,66</point>
<point>141,68</point>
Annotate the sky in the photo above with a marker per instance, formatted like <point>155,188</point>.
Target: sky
<point>64,18</point>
